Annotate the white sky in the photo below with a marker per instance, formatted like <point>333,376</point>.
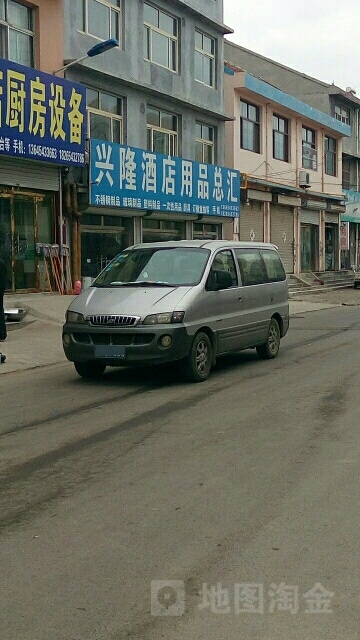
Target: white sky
<point>318,37</point>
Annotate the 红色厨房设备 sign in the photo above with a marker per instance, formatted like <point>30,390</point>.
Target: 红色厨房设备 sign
<point>132,178</point>
<point>42,117</point>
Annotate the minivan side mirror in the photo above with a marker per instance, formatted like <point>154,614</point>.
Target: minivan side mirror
<point>219,279</point>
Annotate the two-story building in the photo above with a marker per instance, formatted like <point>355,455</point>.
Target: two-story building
<point>290,155</point>
<point>155,98</point>
<point>344,106</point>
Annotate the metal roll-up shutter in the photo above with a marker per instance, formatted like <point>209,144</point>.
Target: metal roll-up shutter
<point>282,234</point>
<point>252,222</point>
<point>309,216</point>
<point>29,174</point>
<point>332,217</point>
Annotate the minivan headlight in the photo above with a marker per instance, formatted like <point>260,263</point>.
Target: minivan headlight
<point>165,318</point>
<point>74,316</point>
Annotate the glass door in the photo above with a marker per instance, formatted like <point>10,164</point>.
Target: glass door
<point>24,255</point>
<point>6,238</point>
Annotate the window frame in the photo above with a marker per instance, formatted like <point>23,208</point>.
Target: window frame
<point>255,126</point>
<point>342,113</point>
<point>281,137</point>
<point>112,10</point>
<point>346,173</point>
<point>6,27</point>
<point>205,143</point>
<point>308,143</point>
<point>330,164</point>
<point>150,28</point>
<point>173,135</point>
<point>206,56</point>
<point>107,114</point>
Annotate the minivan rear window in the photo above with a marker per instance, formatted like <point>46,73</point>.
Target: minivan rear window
<point>259,266</point>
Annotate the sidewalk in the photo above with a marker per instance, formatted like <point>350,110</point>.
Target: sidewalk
<point>36,340</point>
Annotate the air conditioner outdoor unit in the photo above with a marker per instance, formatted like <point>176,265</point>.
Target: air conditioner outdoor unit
<point>304,179</point>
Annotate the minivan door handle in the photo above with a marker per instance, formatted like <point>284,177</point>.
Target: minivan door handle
<point>239,299</point>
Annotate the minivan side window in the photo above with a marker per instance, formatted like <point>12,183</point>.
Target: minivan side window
<point>274,267</point>
<point>224,261</point>
<point>252,267</point>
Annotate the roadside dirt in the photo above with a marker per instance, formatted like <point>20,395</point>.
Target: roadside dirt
<point>348,296</point>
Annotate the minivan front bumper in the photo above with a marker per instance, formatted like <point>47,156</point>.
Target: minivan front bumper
<point>125,345</point>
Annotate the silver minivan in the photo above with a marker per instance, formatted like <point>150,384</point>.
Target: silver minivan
<point>188,301</point>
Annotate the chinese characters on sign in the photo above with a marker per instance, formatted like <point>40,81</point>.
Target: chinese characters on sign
<point>168,598</point>
<point>42,117</point>
<point>123,176</point>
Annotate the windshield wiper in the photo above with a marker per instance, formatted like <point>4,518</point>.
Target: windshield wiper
<point>146,283</point>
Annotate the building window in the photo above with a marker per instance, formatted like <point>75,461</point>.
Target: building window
<point>309,154</point>
<point>162,131</point>
<point>249,127</point>
<point>101,18</point>
<point>160,38</point>
<point>204,59</point>
<point>346,166</point>
<point>280,138</point>
<point>16,33</point>
<point>330,156</point>
<point>342,114</point>
<point>207,231</point>
<point>204,143</point>
<point>105,116</point>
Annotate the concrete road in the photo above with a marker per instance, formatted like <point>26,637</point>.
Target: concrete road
<point>244,490</point>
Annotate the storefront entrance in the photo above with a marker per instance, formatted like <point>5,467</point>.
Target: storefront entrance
<point>331,246</point>
<point>24,221</point>
<point>309,244</point>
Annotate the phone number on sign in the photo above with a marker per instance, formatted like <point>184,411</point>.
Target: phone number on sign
<point>51,152</point>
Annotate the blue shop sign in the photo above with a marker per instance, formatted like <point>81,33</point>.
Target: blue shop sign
<point>42,117</point>
<point>123,176</point>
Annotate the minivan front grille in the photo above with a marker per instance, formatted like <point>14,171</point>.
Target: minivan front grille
<point>113,321</point>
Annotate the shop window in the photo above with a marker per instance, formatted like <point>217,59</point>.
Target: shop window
<point>102,238</point>
<point>204,143</point>
<point>204,59</point>
<point>162,230</point>
<point>207,231</point>
<point>162,131</point>
<point>16,32</point>
<point>101,18</point>
<point>105,116</point>
<point>160,38</point>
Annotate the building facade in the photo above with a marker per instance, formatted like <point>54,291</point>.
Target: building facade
<point>344,106</point>
<point>30,38</point>
<point>289,154</point>
<point>159,92</point>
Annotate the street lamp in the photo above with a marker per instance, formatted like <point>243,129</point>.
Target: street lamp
<point>96,50</point>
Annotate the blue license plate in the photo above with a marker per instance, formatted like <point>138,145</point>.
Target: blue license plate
<point>109,352</point>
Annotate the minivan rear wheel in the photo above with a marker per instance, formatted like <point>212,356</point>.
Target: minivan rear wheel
<point>270,348</point>
<point>197,365</point>
<point>90,370</point>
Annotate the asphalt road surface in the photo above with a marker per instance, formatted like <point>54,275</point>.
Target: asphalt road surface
<point>140,507</point>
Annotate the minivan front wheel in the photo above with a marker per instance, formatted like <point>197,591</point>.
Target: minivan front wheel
<point>270,348</point>
<point>197,365</point>
<point>90,370</point>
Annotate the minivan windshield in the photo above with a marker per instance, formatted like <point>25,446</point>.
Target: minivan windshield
<point>160,267</point>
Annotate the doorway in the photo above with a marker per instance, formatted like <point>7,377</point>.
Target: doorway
<point>309,245</point>
<point>24,221</point>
